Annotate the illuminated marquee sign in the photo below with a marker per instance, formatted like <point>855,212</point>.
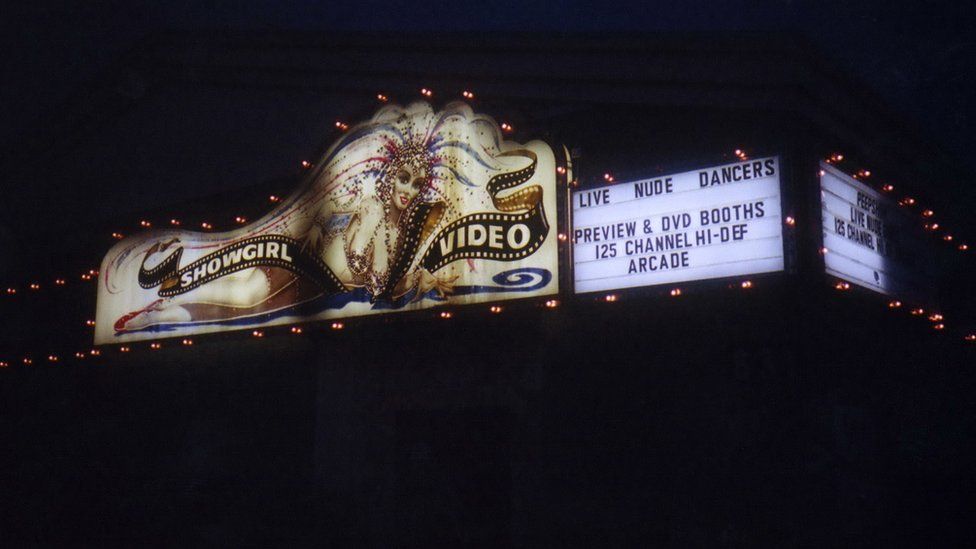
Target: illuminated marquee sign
<point>411,209</point>
<point>868,241</point>
<point>708,223</point>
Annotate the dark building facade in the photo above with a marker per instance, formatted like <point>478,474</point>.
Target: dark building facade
<point>786,412</point>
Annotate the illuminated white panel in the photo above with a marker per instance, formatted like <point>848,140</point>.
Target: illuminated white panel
<point>865,235</point>
<point>709,223</point>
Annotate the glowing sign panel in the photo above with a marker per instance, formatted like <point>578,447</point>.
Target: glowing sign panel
<point>411,209</point>
<point>709,223</point>
<point>868,241</point>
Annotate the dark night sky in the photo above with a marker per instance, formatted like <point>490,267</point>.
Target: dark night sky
<point>920,56</point>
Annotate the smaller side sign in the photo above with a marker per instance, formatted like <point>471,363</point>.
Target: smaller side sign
<point>714,222</point>
<point>869,241</point>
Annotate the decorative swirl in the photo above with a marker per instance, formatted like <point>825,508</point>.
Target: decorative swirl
<point>521,277</point>
<point>525,279</point>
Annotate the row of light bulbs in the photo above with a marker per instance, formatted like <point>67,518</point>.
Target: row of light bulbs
<point>298,330</point>
<point>936,319</point>
<point>205,225</point>
<point>429,94</point>
<point>86,276</point>
<point>906,201</point>
<point>257,334</point>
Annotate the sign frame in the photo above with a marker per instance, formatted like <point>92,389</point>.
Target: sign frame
<point>921,293</point>
<point>787,195</point>
<point>508,191</point>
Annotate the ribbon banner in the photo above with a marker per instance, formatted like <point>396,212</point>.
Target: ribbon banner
<point>260,251</point>
<point>498,236</point>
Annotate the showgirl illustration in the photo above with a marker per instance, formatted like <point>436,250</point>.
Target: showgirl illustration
<point>402,209</point>
<point>361,245</point>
